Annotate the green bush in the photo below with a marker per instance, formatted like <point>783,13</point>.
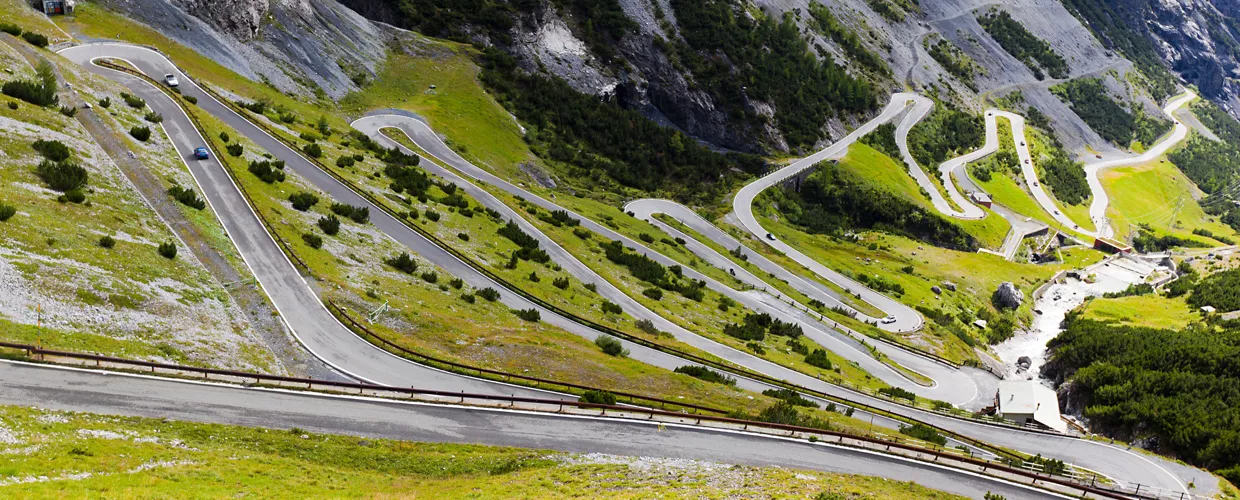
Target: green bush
<point>133,101</point>
<point>73,196</point>
<point>13,105</point>
<point>345,161</point>
<point>790,396</point>
<point>561,283</point>
<point>140,133</point>
<point>591,287</point>
<point>360,215</point>
<point>105,103</point>
<point>313,240</point>
<point>187,197</point>
<point>35,39</point>
<point>489,294</point>
<point>258,107</point>
<point>462,236</point>
<point>40,93</point>
<point>288,118</point>
<point>610,307</point>
<point>53,150</point>
<point>897,392</point>
<point>302,200</point>
<point>313,150</point>
<point>468,297</point>
<point>534,277</point>
<point>107,242</point>
<point>432,215</point>
<point>224,137</point>
<point>330,225</point>
<point>62,176</point>
<point>703,373</point>
<point>11,29</point>
<point>819,359</point>
<point>168,250</point>
<point>7,212</point>
<point>403,263</point>
<point>430,277</point>
<point>264,171</point>
<point>68,111</point>
<point>191,99</point>
<point>456,283</point>
<point>611,346</point>
<point>235,149</point>
<point>653,293</point>
<point>528,314</point>
<point>598,397</point>
<point>923,432</point>
<point>153,117</point>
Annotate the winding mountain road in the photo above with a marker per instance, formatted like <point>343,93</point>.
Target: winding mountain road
<point>329,340</point>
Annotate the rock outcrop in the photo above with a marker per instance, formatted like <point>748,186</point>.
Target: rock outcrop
<point>1007,296</point>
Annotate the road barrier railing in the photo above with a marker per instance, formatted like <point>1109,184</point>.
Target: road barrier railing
<point>743,372</point>
<point>1075,485</point>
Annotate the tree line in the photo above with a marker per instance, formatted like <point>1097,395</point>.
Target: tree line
<point>1023,45</point>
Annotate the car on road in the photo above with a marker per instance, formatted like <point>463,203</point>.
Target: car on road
<point>888,320</point>
<point>1022,143</point>
<point>171,80</point>
<point>770,236</point>
<point>201,153</point>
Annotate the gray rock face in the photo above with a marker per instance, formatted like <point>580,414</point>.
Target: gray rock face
<point>1008,296</point>
<point>239,18</point>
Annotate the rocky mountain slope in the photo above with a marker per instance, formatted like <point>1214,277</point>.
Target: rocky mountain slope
<point>638,53</point>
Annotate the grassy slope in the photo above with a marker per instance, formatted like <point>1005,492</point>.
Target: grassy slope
<point>147,301</point>
<point>1152,311</point>
<point>1158,194</point>
<point>86,455</point>
<point>1078,213</point>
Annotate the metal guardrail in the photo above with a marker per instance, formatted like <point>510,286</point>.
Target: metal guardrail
<point>888,444</point>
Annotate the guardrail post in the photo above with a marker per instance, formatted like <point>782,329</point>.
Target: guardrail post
<point>1138,491</point>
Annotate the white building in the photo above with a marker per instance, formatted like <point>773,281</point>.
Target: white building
<point>1027,402</point>
<point>55,7</point>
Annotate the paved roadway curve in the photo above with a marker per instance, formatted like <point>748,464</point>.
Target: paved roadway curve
<point>298,306</point>
<point>283,277</point>
<point>130,395</point>
<point>961,390</point>
<point>1109,460</point>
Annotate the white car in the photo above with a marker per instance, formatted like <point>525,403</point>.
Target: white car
<point>171,80</point>
<point>888,320</point>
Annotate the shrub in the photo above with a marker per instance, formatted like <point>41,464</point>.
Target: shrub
<point>489,294</point>
<point>302,201</point>
<point>7,212</point>
<point>561,283</point>
<point>756,348</point>
<point>897,392</point>
<point>13,105</point>
<point>598,397</point>
<point>790,396</point>
<point>62,176</point>
<point>73,196</point>
<point>653,293</point>
<point>224,137</point>
<point>314,240</point>
<point>313,150</point>
<point>330,225</point>
<point>191,99</point>
<point>403,263</point>
<point>360,215</point>
<point>11,29</point>
<point>187,197</point>
<point>288,118</point>
<point>133,101</point>
<point>235,149</point>
<point>610,307</point>
<point>35,39</point>
<point>819,359</point>
<point>105,103</point>
<point>68,111</point>
<point>168,250</point>
<point>647,326</point>
<point>107,242</point>
<point>53,150</point>
<point>263,170</point>
<point>456,283</point>
<point>528,314</point>
<point>581,233</point>
<point>258,107</point>
<point>468,297</point>
<point>345,161</point>
<point>432,215</point>
<point>611,346</point>
<point>534,277</point>
<point>646,238</point>
<point>412,214</point>
<point>40,93</point>
<point>704,373</point>
<point>462,236</point>
<point>430,277</point>
<point>140,133</point>
<point>591,287</point>
<point>923,432</point>
<point>153,117</point>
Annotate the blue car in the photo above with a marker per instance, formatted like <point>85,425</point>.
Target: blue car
<point>201,153</point>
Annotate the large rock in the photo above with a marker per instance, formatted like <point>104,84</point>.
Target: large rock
<point>1008,296</point>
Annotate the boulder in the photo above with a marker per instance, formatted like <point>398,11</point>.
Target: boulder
<point>1007,296</point>
<point>936,290</point>
<point>1024,362</point>
<point>949,285</point>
